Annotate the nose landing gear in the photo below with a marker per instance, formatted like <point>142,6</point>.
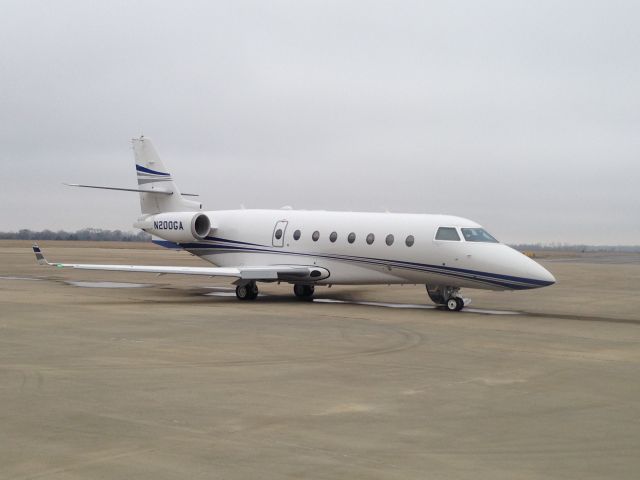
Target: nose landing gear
<point>446,297</point>
<point>455,304</point>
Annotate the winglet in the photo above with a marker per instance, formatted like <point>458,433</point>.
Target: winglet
<point>39,256</point>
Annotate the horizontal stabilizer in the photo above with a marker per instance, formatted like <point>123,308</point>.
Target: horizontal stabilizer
<point>139,190</point>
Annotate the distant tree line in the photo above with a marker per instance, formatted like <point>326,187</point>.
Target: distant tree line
<point>91,234</point>
<point>566,247</point>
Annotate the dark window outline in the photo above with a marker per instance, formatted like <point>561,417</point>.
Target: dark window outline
<point>370,239</point>
<point>389,239</point>
<point>406,240</point>
<point>297,234</point>
<point>333,237</point>
<point>490,239</point>
<point>315,236</point>
<point>351,238</point>
<point>444,239</point>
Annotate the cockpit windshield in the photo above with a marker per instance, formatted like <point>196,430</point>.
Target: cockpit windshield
<point>477,235</point>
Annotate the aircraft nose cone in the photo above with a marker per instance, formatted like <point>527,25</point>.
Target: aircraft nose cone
<point>540,274</point>
<point>530,274</point>
<point>547,276</point>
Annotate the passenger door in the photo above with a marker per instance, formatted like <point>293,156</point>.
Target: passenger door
<point>277,240</point>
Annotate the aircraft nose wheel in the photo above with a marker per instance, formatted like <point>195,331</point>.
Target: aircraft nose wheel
<point>455,304</point>
<point>303,292</point>
<point>447,297</point>
<point>248,291</point>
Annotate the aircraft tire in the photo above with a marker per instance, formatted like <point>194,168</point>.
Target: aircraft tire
<point>242,292</point>
<point>304,292</point>
<point>455,304</point>
<point>247,292</point>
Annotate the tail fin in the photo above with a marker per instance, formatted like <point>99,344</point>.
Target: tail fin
<point>152,175</point>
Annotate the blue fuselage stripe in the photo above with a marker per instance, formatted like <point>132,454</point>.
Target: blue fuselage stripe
<point>483,277</point>
<point>167,244</point>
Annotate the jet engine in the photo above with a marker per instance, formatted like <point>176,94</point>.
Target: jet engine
<point>178,227</point>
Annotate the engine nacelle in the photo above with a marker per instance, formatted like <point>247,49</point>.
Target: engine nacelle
<point>178,227</point>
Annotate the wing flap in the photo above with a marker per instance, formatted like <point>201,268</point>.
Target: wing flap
<point>206,271</point>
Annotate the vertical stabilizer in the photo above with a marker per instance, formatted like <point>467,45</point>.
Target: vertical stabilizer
<point>153,175</point>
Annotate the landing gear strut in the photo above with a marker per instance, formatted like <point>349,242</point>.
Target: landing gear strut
<point>248,291</point>
<point>304,292</point>
<point>446,296</point>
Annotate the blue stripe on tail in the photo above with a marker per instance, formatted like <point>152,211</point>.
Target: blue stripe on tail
<point>140,168</point>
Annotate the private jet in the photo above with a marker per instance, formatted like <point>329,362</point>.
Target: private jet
<point>308,248</point>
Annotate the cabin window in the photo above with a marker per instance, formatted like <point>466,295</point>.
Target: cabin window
<point>333,237</point>
<point>389,240</point>
<point>370,238</point>
<point>477,235</point>
<point>315,236</point>
<point>409,241</point>
<point>351,238</point>
<point>296,235</point>
<point>447,233</point>
<point>278,234</point>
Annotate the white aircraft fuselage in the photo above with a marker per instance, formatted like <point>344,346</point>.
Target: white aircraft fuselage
<point>249,237</point>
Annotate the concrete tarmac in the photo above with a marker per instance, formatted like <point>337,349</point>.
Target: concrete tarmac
<point>170,377</point>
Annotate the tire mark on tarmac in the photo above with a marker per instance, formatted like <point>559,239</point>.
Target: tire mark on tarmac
<point>408,339</point>
<point>98,457</point>
<point>582,318</point>
<point>29,379</point>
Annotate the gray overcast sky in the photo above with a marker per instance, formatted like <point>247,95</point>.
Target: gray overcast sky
<point>521,115</point>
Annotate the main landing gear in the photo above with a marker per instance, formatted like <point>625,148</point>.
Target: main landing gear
<point>248,291</point>
<point>447,297</point>
<point>303,292</point>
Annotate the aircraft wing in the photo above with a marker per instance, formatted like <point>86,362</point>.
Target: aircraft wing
<point>271,272</point>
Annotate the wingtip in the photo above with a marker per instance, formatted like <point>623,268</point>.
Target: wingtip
<point>39,255</point>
